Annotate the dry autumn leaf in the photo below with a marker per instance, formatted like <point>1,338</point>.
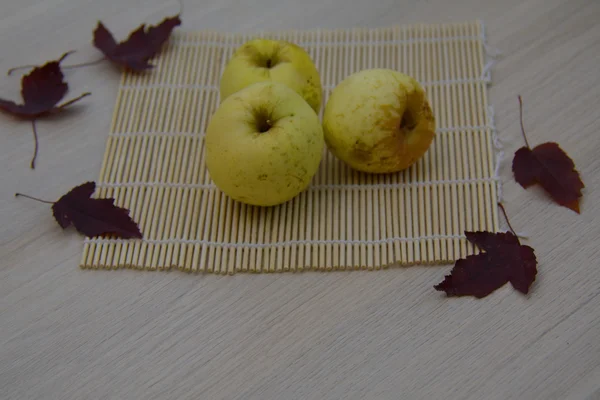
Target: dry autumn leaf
<point>41,90</point>
<point>142,44</point>
<point>135,52</point>
<point>503,259</point>
<point>91,216</point>
<point>548,165</point>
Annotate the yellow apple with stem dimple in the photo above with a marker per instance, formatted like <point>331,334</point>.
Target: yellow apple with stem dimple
<point>264,144</point>
<point>260,60</point>
<point>378,121</point>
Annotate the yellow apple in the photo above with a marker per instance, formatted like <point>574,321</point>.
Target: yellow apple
<point>280,61</point>
<point>378,121</point>
<point>264,144</point>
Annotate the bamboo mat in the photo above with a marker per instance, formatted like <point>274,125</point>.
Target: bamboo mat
<point>154,163</point>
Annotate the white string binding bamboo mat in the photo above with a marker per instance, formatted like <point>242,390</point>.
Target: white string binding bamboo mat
<point>154,163</point>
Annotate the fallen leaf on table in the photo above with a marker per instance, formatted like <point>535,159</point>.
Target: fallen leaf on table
<point>91,216</point>
<point>41,90</point>
<point>503,259</point>
<point>141,45</point>
<point>548,165</point>
<point>133,53</point>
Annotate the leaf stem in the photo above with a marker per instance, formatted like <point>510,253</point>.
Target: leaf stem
<point>65,55</point>
<point>68,103</point>
<point>521,119</point>
<point>33,198</point>
<point>35,138</point>
<point>507,220</point>
<point>85,64</point>
<point>10,71</point>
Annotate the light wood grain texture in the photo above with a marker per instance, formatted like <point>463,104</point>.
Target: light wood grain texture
<point>72,334</point>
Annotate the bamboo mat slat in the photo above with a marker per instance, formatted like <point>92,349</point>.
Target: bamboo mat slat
<point>154,163</point>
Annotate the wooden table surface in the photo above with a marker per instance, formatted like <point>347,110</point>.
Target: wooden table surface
<point>66,333</point>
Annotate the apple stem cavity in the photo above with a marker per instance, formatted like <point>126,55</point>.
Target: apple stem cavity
<point>263,119</point>
<point>271,61</point>
<point>408,121</point>
<point>521,120</point>
<point>264,125</point>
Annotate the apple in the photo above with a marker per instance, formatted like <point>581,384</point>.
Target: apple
<point>280,61</point>
<point>264,144</point>
<point>378,121</point>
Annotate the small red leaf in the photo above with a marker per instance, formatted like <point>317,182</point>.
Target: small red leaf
<point>141,45</point>
<point>41,90</point>
<point>548,165</point>
<point>504,259</point>
<point>93,217</point>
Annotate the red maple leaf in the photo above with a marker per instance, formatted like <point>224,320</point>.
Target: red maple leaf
<point>41,90</point>
<point>90,216</point>
<point>135,52</point>
<point>548,165</point>
<point>503,259</point>
<point>142,44</point>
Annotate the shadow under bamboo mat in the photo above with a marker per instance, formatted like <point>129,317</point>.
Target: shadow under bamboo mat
<point>154,163</point>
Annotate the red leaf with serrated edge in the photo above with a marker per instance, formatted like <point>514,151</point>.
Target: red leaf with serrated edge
<point>91,216</point>
<point>41,90</point>
<point>550,167</point>
<point>142,44</point>
<point>504,259</point>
